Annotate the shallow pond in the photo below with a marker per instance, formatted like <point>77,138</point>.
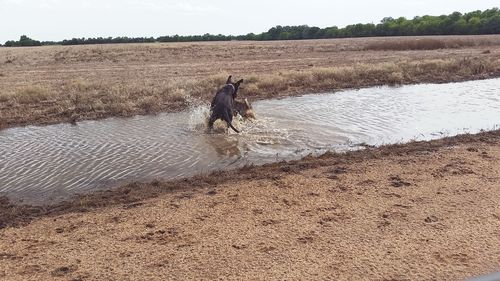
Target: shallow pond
<point>40,164</point>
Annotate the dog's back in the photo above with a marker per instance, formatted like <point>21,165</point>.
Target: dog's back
<point>223,100</point>
<point>222,106</point>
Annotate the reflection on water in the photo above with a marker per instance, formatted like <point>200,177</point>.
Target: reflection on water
<point>46,163</point>
<point>225,146</point>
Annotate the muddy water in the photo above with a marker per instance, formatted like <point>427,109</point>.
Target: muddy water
<point>40,164</point>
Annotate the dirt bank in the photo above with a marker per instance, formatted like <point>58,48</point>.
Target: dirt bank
<point>70,83</point>
<point>419,211</point>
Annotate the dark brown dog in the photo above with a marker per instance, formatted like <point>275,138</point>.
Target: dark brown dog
<point>222,106</point>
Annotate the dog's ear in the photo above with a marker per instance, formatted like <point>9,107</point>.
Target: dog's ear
<point>236,87</point>
<point>229,79</point>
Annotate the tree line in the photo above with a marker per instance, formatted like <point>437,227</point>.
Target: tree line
<point>473,23</point>
<point>23,41</point>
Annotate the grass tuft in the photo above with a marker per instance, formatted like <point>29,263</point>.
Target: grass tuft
<point>421,44</point>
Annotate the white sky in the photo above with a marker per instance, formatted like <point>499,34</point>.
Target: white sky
<point>65,19</point>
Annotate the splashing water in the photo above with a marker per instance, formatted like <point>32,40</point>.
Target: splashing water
<point>198,117</point>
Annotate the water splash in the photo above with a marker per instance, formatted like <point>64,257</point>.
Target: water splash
<point>198,117</point>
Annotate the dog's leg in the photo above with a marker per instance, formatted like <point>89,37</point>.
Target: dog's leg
<point>211,123</point>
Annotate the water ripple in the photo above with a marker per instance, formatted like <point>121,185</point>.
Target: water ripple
<point>46,163</point>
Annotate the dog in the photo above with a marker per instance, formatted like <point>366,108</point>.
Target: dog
<point>223,105</point>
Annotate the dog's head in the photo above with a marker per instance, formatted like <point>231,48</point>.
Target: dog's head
<point>235,86</point>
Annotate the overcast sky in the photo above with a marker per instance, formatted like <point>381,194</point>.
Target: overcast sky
<point>65,19</point>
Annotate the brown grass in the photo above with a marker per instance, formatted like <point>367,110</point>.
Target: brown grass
<point>427,44</point>
<point>64,83</point>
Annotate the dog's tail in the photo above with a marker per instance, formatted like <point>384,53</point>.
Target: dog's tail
<point>228,120</point>
<point>231,125</point>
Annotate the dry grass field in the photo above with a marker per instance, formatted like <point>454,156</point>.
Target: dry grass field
<point>52,84</point>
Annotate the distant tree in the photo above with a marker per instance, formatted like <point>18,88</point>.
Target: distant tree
<point>24,41</point>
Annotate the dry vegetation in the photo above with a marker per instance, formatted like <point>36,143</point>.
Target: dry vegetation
<point>64,83</point>
<point>427,43</point>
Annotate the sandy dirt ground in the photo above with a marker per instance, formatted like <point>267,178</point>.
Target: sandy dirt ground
<point>419,211</point>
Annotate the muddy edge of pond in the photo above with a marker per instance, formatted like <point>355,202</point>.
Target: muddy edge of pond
<point>131,195</point>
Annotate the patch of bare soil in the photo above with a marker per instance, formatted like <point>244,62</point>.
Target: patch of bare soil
<point>417,211</point>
